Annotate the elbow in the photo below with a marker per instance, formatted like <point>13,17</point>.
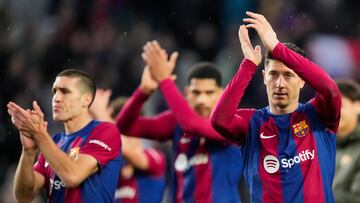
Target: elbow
<point>71,181</point>
<point>217,123</point>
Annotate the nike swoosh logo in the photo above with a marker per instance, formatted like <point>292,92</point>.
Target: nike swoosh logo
<point>266,137</point>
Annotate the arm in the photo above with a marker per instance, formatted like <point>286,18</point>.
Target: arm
<point>130,122</point>
<point>327,101</point>
<point>71,172</point>
<point>188,119</point>
<point>146,160</point>
<point>27,182</point>
<point>225,118</point>
<point>161,68</point>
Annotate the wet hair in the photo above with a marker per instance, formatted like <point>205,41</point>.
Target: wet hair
<point>205,70</point>
<point>349,89</point>
<point>86,81</point>
<point>291,46</point>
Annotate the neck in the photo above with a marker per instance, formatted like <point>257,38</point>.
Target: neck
<point>77,123</point>
<point>277,110</point>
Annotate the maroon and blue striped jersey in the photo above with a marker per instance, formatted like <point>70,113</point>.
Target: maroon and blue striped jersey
<point>287,157</point>
<point>100,140</point>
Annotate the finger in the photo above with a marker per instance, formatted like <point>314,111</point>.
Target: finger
<point>46,124</point>
<point>173,58</point>
<point>253,15</point>
<point>37,109</point>
<point>173,77</point>
<point>253,26</point>
<point>244,36</point>
<point>16,108</point>
<point>251,20</point>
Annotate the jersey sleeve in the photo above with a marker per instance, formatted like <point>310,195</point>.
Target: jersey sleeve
<point>327,100</point>
<point>157,163</point>
<point>226,118</point>
<point>186,116</point>
<point>39,165</point>
<point>130,123</point>
<point>104,143</point>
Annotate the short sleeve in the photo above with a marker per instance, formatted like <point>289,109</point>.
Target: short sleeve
<point>104,143</point>
<point>156,162</point>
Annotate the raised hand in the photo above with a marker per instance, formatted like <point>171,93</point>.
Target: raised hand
<point>148,85</point>
<point>100,109</point>
<point>249,52</point>
<point>263,28</point>
<point>29,122</point>
<point>161,67</point>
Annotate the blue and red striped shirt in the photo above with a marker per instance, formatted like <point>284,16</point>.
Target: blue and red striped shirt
<point>143,186</point>
<point>100,140</point>
<point>288,157</point>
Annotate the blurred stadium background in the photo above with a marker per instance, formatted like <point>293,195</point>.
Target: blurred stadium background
<point>39,38</point>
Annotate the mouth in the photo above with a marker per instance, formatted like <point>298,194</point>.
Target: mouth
<point>280,95</point>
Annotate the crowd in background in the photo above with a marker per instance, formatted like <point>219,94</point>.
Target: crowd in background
<point>39,38</point>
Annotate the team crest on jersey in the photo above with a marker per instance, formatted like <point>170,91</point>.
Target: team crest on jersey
<point>74,152</point>
<point>301,128</point>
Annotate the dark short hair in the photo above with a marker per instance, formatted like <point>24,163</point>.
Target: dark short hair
<point>84,78</point>
<point>205,70</point>
<point>350,89</point>
<point>291,46</point>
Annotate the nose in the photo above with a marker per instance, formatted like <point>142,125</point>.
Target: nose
<point>57,97</point>
<point>280,82</point>
<point>201,99</point>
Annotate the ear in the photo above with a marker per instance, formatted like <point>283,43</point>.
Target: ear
<point>263,74</point>
<point>86,100</point>
<point>186,90</point>
<point>302,83</point>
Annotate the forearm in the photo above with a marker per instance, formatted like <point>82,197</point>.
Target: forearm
<point>224,118</point>
<point>310,72</point>
<point>24,181</point>
<point>65,167</point>
<point>187,118</point>
<point>130,111</point>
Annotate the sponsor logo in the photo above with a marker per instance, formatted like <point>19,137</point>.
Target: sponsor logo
<point>102,144</point>
<point>46,164</point>
<point>182,163</point>
<point>74,152</point>
<point>125,192</point>
<point>301,128</point>
<point>55,185</point>
<point>266,137</point>
<point>272,165</point>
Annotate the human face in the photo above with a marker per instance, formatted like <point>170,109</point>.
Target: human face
<point>349,116</point>
<point>68,101</point>
<point>282,86</point>
<point>202,95</point>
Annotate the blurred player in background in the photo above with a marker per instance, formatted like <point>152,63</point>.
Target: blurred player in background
<point>347,173</point>
<point>141,177</point>
<point>207,168</point>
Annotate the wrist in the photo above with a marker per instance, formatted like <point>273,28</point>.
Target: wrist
<point>146,90</point>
